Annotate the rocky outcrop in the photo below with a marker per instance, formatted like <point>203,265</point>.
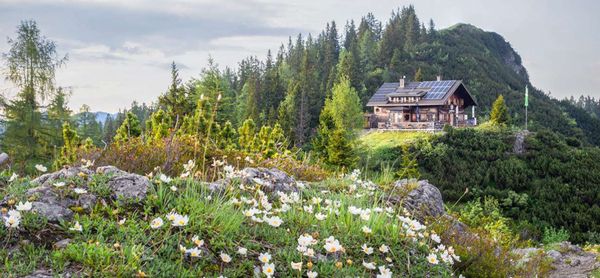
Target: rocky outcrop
<point>270,180</point>
<point>568,260</point>
<point>3,158</point>
<point>57,203</point>
<point>519,145</point>
<point>419,197</point>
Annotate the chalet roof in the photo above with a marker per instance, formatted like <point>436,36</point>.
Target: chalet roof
<point>431,92</point>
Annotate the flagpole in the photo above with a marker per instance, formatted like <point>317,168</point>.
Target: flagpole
<point>526,104</point>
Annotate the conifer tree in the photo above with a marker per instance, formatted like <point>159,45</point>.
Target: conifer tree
<point>247,135</point>
<point>409,168</point>
<point>157,127</point>
<point>130,128</point>
<point>68,152</point>
<point>499,114</point>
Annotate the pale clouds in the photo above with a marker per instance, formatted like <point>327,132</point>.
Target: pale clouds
<point>120,51</point>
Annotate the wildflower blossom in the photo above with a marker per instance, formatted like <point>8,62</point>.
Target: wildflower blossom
<point>13,219</point>
<point>306,240</point>
<point>319,216</point>
<point>189,166</point>
<point>274,221</point>
<point>297,266</point>
<point>24,206</point>
<point>312,274</point>
<point>171,216</point>
<point>366,230</point>
<point>368,250</point>
<point>268,269</point>
<point>229,171</point>
<point>193,252</point>
<point>384,272</point>
<point>41,168</point>
<point>79,190</point>
<point>384,248</point>
<point>369,266</point>
<point>77,227</point>
<point>156,223</point>
<point>197,241</point>
<point>164,178</point>
<point>173,188</point>
<point>435,238</point>
<point>122,221</point>
<point>264,257</point>
<point>180,220</point>
<point>332,245</point>
<point>308,208</point>
<point>13,177</point>
<point>432,258</point>
<point>59,184</point>
<point>242,251</point>
<point>225,258</point>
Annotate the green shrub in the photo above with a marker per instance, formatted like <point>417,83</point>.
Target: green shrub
<point>552,235</point>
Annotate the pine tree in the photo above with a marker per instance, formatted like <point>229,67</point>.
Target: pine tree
<point>227,136</point>
<point>340,149</point>
<point>68,153</point>
<point>418,75</point>
<point>499,114</point>
<point>247,138</point>
<point>31,64</point>
<point>130,128</point>
<point>157,127</point>
<point>175,100</point>
<point>409,168</point>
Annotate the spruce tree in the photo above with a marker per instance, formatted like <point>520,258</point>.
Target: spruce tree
<point>499,114</point>
<point>130,128</point>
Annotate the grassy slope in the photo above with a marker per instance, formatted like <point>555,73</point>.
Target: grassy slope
<point>107,248</point>
<point>375,141</point>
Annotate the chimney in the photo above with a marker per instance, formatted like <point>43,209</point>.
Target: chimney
<point>439,78</point>
<point>402,81</point>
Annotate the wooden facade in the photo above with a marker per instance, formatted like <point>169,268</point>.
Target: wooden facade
<point>421,105</point>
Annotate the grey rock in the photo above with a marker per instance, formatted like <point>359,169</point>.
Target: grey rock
<point>129,187</point>
<point>40,273</point>
<point>555,255</point>
<point>519,145</point>
<point>54,212</point>
<point>270,180</point>
<point>65,173</point>
<point>108,170</point>
<point>62,243</point>
<point>3,158</point>
<point>422,200</point>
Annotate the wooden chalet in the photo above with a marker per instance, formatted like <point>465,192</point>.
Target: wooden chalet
<point>427,105</point>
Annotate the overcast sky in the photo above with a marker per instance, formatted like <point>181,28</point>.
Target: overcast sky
<point>120,50</point>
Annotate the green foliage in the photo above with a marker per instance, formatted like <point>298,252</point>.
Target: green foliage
<point>409,167</point>
<point>130,128</point>
<point>68,153</point>
<point>552,235</point>
<point>487,215</point>
<point>499,114</point>
<point>158,125</point>
<point>247,136</point>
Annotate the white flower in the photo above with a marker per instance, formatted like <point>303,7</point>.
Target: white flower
<point>365,215</point>
<point>164,178</point>
<point>197,241</point>
<point>306,240</point>
<point>370,266</point>
<point>366,230</point>
<point>354,210</point>
<point>368,250</point>
<point>180,220</point>
<point>308,209</point>
<point>264,257</point>
<point>432,259</point>
<point>384,248</point>
<point>384,272</point>
<point>229,171</point>
<point>171,216</point>
<point>156,223</point>
<point>59,184</point>
<point>332,245</point>
<point>312,274</point>
<point>41,168</point>
<point>182,248</point>
<point>122,221</point>
<point>297,266</point>
<point>77,227</point>
<point>194,252</point>
<point>13,177</point>
<point>173,188</point>
<point>268,269</point>
<point>79,190</point>
<point>242,251</point>
<point>435,238</point>
<point>13,219</point>
<point>225,258</point>
<point>189,166</point>
<point>24,206</point>
<point>274,221</point>
<point>319,216</point>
